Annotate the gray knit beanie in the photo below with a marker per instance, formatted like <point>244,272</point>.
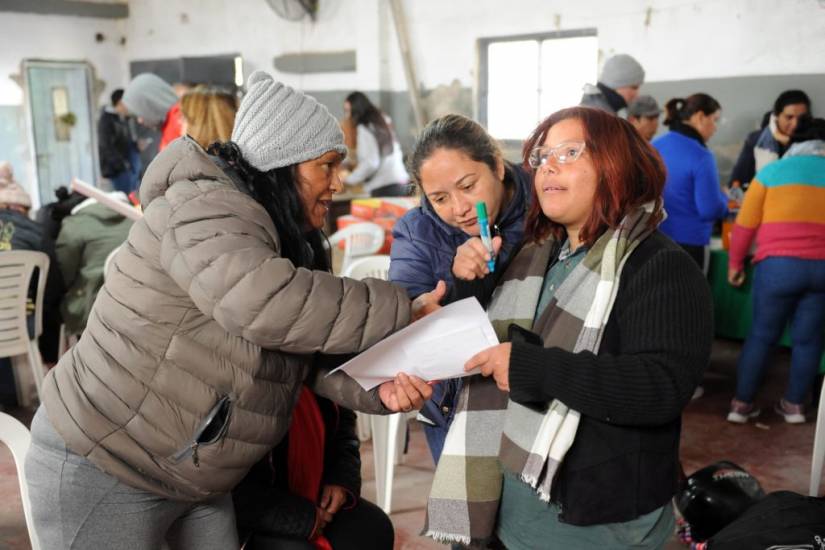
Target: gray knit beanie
<point>149,97</point>
<point>277,126</point>
<point>622,70</point>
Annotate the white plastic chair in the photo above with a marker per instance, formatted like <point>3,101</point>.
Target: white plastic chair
<point>375,267</point>
<point>818,457</point>
<point>360,239</point>
<point>387,436</point>
<point>16,269</point>
<point>17,438</point>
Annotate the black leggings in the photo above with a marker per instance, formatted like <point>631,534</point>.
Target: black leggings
<point>364,527</point>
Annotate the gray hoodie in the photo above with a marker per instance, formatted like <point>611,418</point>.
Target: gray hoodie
<point>149,97</point>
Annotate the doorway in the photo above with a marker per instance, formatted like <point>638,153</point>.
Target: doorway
<point>60,116</point>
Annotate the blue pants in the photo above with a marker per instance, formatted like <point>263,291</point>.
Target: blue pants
<point>784,289</point>
<point>440,409</point>
<point>128,180</point>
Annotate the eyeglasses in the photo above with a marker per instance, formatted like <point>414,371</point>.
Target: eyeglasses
<point>564,153</point>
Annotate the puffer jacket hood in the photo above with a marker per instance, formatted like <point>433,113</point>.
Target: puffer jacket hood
<point>199,340</point>
<point>149,97</point>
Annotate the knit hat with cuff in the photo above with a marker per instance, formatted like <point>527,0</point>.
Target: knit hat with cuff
<point>11,192</point>
<point>278,126</point>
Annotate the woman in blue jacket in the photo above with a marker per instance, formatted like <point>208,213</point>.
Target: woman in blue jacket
<point>693,197</point>
<point>456,164</point>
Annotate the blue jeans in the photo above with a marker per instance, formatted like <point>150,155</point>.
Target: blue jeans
<point>784,289</point>
<point>128,180</point>
<point>440,409</point>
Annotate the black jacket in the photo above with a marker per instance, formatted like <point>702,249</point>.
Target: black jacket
<point>114,140</point>
<point>624,461</point>
<point>262,500</point>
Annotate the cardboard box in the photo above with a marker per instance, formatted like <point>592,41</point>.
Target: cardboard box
<point>396,206</point>
<point>365,209</point>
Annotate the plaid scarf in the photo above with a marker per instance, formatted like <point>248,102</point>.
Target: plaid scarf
<point>490,431</point>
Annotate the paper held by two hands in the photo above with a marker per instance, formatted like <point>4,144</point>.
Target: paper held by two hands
<point>433,348</point>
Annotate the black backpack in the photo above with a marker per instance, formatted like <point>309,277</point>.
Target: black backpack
<point>715,496</point>
<point>781,521</point>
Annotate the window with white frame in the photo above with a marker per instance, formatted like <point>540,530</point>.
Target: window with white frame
<point>526,78</point>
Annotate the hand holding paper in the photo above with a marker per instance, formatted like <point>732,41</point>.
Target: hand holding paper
<point>434,348</point>
<point>404,393</point>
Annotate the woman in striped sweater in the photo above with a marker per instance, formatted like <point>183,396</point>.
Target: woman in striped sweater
<point>784,209</point>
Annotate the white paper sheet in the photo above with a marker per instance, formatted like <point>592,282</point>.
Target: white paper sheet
<point>121,208</point>
<point>433,348</point>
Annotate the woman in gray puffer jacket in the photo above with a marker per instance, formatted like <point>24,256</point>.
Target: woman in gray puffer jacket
<point>209,322</point>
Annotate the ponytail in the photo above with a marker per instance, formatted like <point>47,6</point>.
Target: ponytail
<point>678,110</point>
<point>673,111</point>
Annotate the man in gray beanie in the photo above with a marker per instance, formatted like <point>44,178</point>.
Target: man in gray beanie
<point>156,105</point>
<point>617,87</point>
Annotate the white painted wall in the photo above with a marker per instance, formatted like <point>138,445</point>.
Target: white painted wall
<point>50,37</point>
<point>163,29</point>
<point>684,39</point>
<point>63,38</point>
<point>676,40</point>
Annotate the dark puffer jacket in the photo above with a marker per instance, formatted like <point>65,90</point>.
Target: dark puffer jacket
<point>263,502</point>
<point>199,340</point>
<point>19,232</point>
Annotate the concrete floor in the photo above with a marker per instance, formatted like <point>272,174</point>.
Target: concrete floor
<point>776,453</point>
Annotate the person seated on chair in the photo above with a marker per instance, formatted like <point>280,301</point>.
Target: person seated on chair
<point>19,232</point>
<point>456,164</point>
<point>305,492</point>
<point>86,239</point>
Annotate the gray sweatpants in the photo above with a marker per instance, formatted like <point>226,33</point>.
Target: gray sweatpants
<point>76,505</point>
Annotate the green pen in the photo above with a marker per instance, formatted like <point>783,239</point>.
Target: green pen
<point>484,231</point>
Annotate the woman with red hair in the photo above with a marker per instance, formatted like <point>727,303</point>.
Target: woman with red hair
<point>606,330</point>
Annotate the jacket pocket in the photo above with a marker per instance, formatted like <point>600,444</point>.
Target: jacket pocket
<point>211,430</point>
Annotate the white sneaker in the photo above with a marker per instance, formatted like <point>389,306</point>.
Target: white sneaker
<point>793,414</point>
<point>740,412</point>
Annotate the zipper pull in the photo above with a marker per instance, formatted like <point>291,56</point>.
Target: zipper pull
<point>195,460</point>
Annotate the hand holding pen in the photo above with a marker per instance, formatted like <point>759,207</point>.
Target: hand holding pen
<point>471,259</point>
<point>477,257</point>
